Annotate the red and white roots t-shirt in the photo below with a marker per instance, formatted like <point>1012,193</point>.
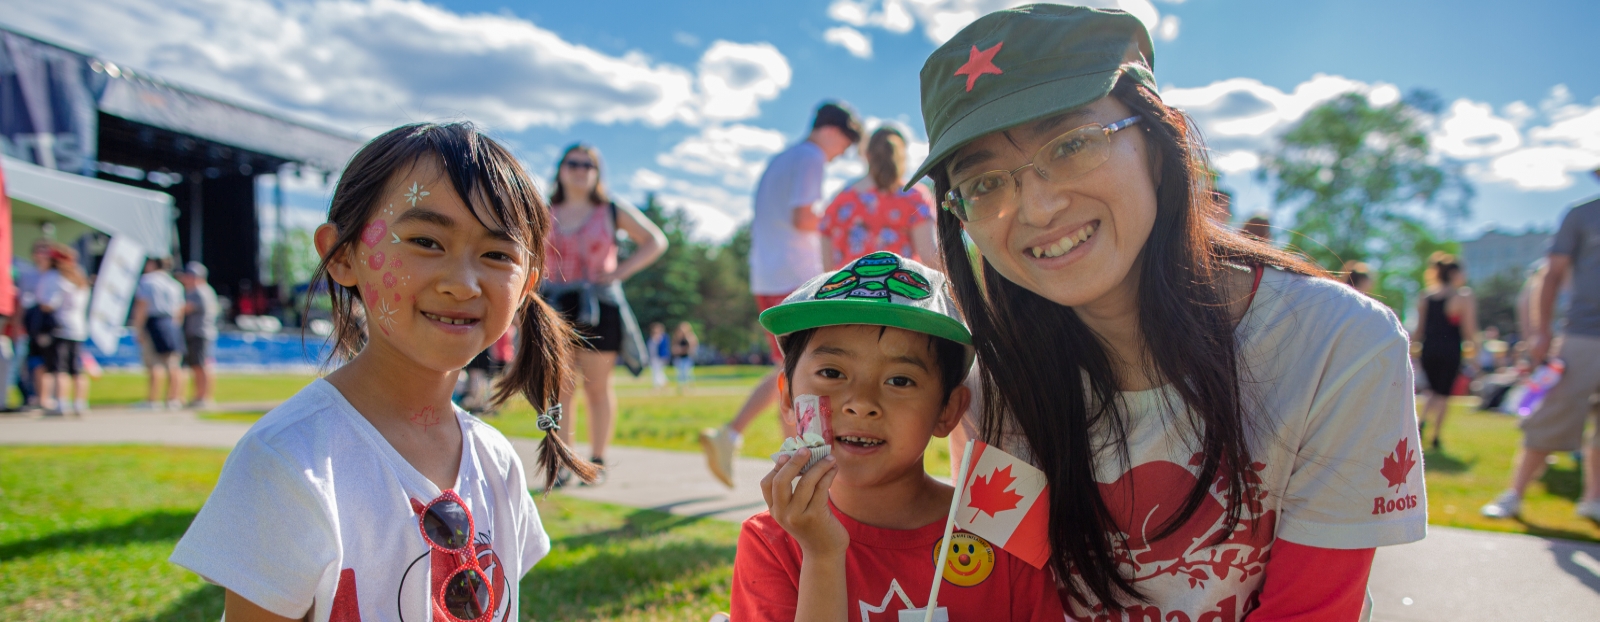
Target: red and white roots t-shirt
<point>1336,460</point>
<point>887,570</point>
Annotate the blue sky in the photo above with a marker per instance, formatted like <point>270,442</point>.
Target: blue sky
<point>688,99</point>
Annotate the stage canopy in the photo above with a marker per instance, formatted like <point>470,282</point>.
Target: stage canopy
<point>73,204</point>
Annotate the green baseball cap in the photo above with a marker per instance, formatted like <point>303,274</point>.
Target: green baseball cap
<point>880,289</point>
<point>1019,65</point>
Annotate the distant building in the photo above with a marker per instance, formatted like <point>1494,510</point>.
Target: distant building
<point>1496,252</point>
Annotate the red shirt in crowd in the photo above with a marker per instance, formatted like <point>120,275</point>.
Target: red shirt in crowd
<point>862,220</point>
<point>887,570</point>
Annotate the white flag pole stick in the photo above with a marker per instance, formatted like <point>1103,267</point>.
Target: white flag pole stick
<point>949,526</point>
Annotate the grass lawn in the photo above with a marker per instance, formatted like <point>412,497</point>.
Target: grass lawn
<point>1475,465</point>
<point>85,533</point>
<point>122,388</point>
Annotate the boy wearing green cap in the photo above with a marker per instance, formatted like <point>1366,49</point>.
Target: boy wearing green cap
<point>857,537</point>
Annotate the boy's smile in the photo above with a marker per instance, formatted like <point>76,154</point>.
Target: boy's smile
<point>885,388</point>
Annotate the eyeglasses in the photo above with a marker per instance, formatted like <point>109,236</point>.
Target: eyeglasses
<point>1069,155</point>
<point>579,165</point>
<point>447,527</point>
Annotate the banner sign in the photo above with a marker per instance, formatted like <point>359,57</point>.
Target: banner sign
<point>48,104</point>
<point>113,292</point>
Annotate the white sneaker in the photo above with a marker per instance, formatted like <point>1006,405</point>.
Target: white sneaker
<point>720,446</point>
<point>83,406</point>
<point>1590,510</point>
<point>1507,505</point>
<point>174,404</point>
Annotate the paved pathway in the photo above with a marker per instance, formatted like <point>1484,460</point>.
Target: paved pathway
<point>1454,575</point>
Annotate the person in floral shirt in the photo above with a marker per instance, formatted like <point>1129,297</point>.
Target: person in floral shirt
<point>874,214</point>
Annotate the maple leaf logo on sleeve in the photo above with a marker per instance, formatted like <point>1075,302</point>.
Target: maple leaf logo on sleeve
<point>992,495</point>
<point>1397,466</point>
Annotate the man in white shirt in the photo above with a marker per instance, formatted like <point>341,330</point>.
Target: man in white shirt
<point>785,251</point>
<point>157,320</point>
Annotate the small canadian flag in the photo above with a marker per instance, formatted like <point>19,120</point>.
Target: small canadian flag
<point>1006,501</point>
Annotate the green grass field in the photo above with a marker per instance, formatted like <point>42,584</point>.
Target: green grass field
<point>85,534</point>
<point>85,531</point>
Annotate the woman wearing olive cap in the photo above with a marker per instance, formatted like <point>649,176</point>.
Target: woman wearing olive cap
<point>1217,418</point>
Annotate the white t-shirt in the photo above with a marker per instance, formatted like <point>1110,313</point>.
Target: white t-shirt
<point>161,292</point>
<point>71,304</point>
<point>315,509</point>
<point>1337,455</point>
<point>783,258</point>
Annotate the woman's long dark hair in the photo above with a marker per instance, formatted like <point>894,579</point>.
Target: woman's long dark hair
<point>1032,351</point>
<point>485,175</point>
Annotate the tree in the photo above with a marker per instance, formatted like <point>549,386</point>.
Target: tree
<point>1363,186</point>
<point>707,284</point>
<point>669,289</point>
<point>294,258</point>
<point>1497,300</point>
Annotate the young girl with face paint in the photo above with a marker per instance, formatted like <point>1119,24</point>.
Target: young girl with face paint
<point>1227,432</point>
<point>369,495</point>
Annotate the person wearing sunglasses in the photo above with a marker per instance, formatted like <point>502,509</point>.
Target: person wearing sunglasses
<point>585,285</point>
<point>1226,430</point>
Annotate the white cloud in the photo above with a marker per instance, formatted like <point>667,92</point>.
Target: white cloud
<point>942,19</point>
<point>890,15</point>
<point>1241,118</point>
<point>736,77</point>
<point>1243,113</point>
<point>1471,130</point>
<point>715,210</point>
<point>734,154</point>
<point>1542,168</point>
<point>1167,29</point>
<point>1553,153</point>
<point>371,64</point>
<point>852,40</point>
<point>1239,161</point>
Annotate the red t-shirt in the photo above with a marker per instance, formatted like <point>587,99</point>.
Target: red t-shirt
<point>862,220</point>
<point>887,570</point>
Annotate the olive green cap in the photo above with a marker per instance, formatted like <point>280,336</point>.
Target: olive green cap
<point>1019,65</point>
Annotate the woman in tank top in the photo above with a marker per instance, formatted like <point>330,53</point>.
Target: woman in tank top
<point>1449,316</point>
<point>584,282</point>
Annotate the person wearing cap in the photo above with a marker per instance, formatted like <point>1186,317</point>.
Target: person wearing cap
<point>785,251</point>
<point>1238,425</point>
<point>882,340</point>
<point>200,311</point>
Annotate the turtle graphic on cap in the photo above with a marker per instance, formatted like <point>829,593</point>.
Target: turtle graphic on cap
<point>1019,65</point>
<point>880,289</point>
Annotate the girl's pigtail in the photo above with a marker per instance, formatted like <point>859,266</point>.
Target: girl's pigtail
<point>543,364</point>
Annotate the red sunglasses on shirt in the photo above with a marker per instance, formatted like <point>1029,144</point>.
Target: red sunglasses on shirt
<point>447,527</point>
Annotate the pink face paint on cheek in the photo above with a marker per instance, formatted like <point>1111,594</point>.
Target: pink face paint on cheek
<point>397,296</point>
<point>374,233</point>
<point>389,280</point>
<point>376,261</point>
<point>396,263</point>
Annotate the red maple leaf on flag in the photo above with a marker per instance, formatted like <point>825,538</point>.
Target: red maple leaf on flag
<point>1397,466</point>
<point>990,494</point>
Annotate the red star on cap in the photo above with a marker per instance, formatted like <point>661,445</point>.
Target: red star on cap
<point>980,63</point>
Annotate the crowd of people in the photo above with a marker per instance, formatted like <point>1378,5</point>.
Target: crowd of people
<point>174,321</point>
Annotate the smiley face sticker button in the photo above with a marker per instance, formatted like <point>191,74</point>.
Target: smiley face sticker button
<point>970,562</point>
